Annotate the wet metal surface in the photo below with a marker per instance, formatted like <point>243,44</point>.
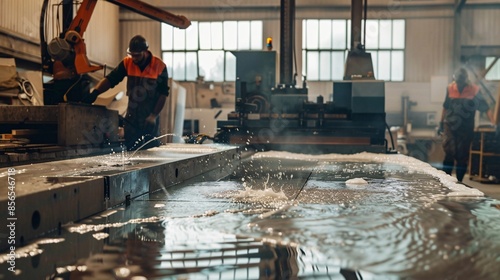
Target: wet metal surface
<point>48,195</point>
<point>285,218</point>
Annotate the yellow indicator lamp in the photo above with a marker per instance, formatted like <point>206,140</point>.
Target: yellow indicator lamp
<point>269,43</point>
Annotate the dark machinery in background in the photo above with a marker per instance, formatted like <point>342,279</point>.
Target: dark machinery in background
<point>62,128</point>
<point>282,118</point>
<point>65,57</point>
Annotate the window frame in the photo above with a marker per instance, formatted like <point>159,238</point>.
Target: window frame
<point>491,75</point>
<point>396,48</point>
<point>255,41</point>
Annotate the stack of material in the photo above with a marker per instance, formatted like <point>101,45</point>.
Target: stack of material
<point>8,81</point>
<point>31,136</point>
<point>40,133</point>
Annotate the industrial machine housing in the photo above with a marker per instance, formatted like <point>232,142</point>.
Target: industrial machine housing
<point>281,117</point>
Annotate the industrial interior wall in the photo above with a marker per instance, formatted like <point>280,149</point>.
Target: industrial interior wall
<point>220,4</point>
<point>428,41</point>
<point>428,54</point>
<point>428,48</point>
<point>478,26</point>
<point>149,29</point>
<point>20,37</point>
<point>19,25</point>
<point>103,35</point>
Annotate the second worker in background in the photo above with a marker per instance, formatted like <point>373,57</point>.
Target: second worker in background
<point>147,90</point>
<point>462,101</point>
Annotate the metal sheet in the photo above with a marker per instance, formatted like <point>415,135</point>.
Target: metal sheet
<point>49,195</point>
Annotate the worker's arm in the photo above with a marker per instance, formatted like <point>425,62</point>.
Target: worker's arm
<point>446,105</point>
<point>158,107</point>
<point>440,129</point>
<point>491,117</point>
<point>164,91</point>
<point>443,114</point>
<point>111,80</point>
<point>484,107</point>
<point>102,86</point>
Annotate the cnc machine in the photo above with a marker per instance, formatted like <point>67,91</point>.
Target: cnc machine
<point>281,116</point>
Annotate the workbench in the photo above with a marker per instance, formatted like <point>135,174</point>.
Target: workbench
<point>484,158</point>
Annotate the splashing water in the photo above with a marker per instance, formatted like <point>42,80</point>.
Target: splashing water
<point>250,195</point>
<point>266,196</point>
<point>400,225</point>
<point>149,141</point>
<point>124,159</point>
<point>163,188</point>
<point>114,159</point>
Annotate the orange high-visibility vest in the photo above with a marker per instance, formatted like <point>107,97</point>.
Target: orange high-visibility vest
<point>152,71</point>
<point>469,92</point>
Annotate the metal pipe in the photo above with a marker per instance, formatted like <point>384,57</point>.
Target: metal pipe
<point>356,16</point>
<point>287,31</point>
<point>365,17</point>
<point>67,7</point>
<point>405,100</point>
<point>153,12</point>
<point>457,34</point>
<point>46,61</point>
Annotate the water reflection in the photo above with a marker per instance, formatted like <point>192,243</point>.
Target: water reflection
<point>158,251</point>
<point>312,225</point>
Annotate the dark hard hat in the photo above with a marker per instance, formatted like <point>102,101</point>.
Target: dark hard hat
<point>461,75</point>
<point>137,44</point>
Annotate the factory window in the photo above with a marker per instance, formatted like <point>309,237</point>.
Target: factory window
<point>494,66</point>
<point>204,48</point>
<point>325,44</point>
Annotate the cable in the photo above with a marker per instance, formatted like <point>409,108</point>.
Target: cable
<point>26,87</point>
<point>27,91</point>
<point>295,62</point>
<point>57,25</point>
<point>390,135</point>
<point>301,188</point>
<point>70,88</point>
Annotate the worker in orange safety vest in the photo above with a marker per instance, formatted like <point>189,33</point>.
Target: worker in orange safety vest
<point>147,90</point>
<point>463,99</point>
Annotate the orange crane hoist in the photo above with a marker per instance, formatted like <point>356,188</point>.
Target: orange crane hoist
<point>65,57</point>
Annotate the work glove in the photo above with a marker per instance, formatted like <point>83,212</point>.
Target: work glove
<point>440,129</point>
<point>91,97</point>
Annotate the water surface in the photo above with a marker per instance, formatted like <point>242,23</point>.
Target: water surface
<point>285,217</point>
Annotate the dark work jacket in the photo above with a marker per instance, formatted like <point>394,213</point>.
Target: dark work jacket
<point>461,107</point>
<point>144,87</point>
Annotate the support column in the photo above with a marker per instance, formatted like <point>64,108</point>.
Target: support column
<point>457,34</point>
<point>287,32</point>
